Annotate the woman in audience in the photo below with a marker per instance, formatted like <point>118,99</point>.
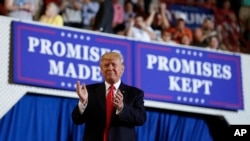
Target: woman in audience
<point>129,12</point>
<point>213,43</point>
<point>51,15</point>
<point>118,13</point>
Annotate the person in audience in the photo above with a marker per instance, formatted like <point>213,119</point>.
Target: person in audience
<point>208,30</point>
<point>166,37</point>
<point>244,19</point>
<point>185,40</point>
<point>139,30</point>
<point>198,38</point>
<point>89,11</point>
<point>139,7</point>
<point>213,43</point>
<point>71,11</point>
<point>21,9</point>
<point>118,13</point>
<point>180,29</point>
<point>51,15</point>
<point>158,20</point>
<point>129,12</point>
<point>221,14</point>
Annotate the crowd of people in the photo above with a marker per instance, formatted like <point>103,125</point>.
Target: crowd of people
<point>146,20</point>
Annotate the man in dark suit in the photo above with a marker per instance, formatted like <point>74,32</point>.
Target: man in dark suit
<point>128,104</point>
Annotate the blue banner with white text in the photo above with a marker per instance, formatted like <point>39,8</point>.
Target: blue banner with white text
<point>194,15</point>
<point>56,58</point>
<point>189,76</point>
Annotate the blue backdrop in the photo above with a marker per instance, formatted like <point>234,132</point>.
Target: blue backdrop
<point>48,118</point>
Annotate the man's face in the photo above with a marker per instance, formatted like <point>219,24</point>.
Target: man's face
<point>112,69</point>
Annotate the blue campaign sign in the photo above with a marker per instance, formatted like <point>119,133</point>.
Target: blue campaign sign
<point>56,58</point>
<point>194,15</point>
<point>188,76</point>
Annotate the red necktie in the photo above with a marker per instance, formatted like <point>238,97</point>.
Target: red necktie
<point>109,109</point>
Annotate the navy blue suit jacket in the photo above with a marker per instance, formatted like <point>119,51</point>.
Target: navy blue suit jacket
<point>123,125</point>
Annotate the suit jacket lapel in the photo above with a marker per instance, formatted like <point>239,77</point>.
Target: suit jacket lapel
<point>123,90</point>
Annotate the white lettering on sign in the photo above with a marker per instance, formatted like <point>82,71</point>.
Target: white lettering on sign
<point>69,50</point>
<point>70,70</point>
<point>192,67</point>
<point>189,85</point>
<point>193,17</point>
<point>189,67</point>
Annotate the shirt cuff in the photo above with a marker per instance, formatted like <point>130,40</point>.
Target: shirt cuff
<point>118,112</point>
<point>82,107</point>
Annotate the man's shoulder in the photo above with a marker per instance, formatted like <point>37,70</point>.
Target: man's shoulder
<point>133,88</point>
